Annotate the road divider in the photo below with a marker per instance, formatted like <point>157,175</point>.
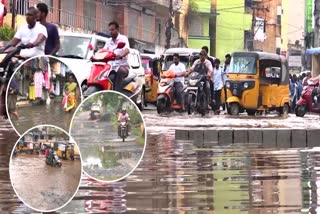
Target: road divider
<point>267,138</point>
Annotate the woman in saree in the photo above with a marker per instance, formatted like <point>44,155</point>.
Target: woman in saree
<point>70,91</point>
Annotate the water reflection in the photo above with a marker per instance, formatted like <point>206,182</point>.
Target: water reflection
<point>177,177</point>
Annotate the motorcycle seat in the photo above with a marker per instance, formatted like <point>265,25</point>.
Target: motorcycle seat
<point>129,78</point>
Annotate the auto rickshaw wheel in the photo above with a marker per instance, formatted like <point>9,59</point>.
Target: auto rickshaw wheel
<point>234,109</point>
<point>285,109</point>
<point>142,105</point>
<point>251,112</point>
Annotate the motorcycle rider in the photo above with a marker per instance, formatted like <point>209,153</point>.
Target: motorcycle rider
<point>180,70</point>
<point>33,35</point>
<point>123,116</point>
<point>121,54</point>
<point>204,67</point>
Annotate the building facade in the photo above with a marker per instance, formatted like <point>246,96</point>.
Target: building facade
<point>144,23</point>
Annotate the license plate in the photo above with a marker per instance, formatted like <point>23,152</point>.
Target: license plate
<point>192,88</point>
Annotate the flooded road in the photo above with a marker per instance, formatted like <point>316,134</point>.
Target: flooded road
<point>104,154</point>
<point>155,123</point>
<point>176,176</point>
<point>41,186</point>
<point>52,114</point>
<point>8,137</point>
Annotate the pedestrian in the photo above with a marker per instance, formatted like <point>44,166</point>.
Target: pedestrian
<point>70,91</point>
<point>226,67</point>
<point>179,69</point>
<point>293,92</point>
<point>53,41</point>
<point>12,98</point>
<point>218,85</point>
<point>206,49</point>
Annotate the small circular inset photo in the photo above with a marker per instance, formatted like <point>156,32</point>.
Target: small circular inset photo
<point>42,90</point>
<point>110,132</point>
<point>45,168</point>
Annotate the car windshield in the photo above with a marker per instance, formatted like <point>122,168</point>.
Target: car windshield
<point>74,46</point>
<point>243,65</point>
<point>169,61</point>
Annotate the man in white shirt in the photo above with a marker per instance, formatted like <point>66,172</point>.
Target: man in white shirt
<point>32,34</point>
<point>121,53</point>
<point>218,85</point>
<point>180,70</point>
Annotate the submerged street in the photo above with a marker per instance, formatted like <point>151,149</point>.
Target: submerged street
<point>42,186</point>
<point>104,155</point>
<point>52,114</point>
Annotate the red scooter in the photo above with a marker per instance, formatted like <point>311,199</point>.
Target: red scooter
<point>306,102</point>
<point>103,73</point>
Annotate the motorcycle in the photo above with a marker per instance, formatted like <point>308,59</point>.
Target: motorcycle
<point>123,129</point>
<point>103,74</point>
<point>165,100</point>
<point>197,99</point>
<point>54,160</point>
<point>8,64</point>
<point>307,102</point>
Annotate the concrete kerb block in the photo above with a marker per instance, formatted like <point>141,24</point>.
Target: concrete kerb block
<point>225,136</point>
<point>255,136</point>
<point>269,138</point>
<point>298,138</point>
<point>181,134</point>
<point>284,138</point>
<point>197,136</point>
<point>211,136</point>
<point>313,138</point>
<point>240,136</point>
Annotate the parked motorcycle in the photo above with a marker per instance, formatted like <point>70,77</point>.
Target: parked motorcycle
<point>197,98</point>
<point>165,100</point>
<point>307,102</point>
<point>103,74</point>
<point>8,64</point>
<point>123,129</point>
<point>53,160</point>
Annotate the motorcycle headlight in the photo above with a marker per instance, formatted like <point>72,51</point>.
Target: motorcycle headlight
<point>228,84</point>
<point>193,82</point>
<point>246,85</point>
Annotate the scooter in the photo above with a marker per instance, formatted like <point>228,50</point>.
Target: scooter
<point>197,99</point>
<point>54,160</point>
<point>123,129</point>
<point>165,100</point>
<point>8,64</point>
<point>306,102</point>
<point>103,74</point>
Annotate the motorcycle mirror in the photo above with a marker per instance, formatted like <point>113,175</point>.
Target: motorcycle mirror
<point>121,45</point>
<point>90,47</point>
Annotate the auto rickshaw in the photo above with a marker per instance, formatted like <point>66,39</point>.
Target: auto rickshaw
<point>63,150</point>
<point>257,82</point>
<point>151,65</point>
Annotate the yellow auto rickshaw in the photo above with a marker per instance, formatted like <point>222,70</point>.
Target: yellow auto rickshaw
<point>64,150</point>
<point>257,81</point>
<point>151,65</point>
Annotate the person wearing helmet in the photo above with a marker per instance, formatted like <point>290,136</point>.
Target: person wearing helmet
<point>123,116</point>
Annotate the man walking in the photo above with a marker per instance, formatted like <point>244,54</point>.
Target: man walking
<point>53,40</point>
<point>218,85</point>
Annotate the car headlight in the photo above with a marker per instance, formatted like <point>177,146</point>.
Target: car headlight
<point>246,85</point>
<point>193,82</point>
<point>228,84</point>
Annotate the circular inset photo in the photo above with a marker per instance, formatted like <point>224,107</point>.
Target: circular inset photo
<point>43,90</point>
<point>110,132</point>
<point>45,168</point>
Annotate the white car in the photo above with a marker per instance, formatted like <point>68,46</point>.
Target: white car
<point>76,54</point>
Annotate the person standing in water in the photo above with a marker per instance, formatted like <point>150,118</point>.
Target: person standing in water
<point>70,91</point>
<point>12,98</point>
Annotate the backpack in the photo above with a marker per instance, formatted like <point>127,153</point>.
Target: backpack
<point>201,68</point>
